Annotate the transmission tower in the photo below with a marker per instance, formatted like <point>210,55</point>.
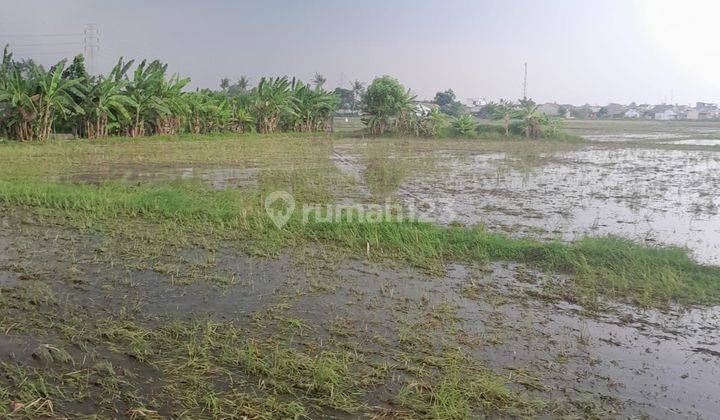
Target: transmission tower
<point>91,45</point>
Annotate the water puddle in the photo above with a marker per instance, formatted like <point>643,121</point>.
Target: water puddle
<point>697,142</point>
<point>215,178</point>
<point>653,196</point>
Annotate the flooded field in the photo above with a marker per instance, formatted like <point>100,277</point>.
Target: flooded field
<point>638,187</point>
<point>664,197</point>
<point>130,287</point>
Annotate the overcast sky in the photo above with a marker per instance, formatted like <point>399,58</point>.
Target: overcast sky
<point>577,51</point>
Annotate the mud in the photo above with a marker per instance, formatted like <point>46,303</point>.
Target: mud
<point>617,362</point>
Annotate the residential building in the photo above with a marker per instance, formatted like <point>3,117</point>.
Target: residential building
<point>692,114</point>
<point>632,113</point>
<point>550,109</point>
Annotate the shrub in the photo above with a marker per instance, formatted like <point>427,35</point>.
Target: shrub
<point>465,126</point>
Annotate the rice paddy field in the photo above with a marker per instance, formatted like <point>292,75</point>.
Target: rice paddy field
<point>574,278</point>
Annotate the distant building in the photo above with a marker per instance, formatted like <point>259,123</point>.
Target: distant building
<point>550,109</point>
<point>632,113</point>
<point>424,108</point>
<point>614,110</point>
<point>666,115</point>
<point>475,102</point>
<point>692,114</point>
<point>707,110</point>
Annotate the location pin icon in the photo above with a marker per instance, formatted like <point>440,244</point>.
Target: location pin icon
<point>280,216</point>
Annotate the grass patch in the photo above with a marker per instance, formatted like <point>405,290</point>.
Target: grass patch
<point>605,266</point>
<point>383,174</point>
<point>463,389</point>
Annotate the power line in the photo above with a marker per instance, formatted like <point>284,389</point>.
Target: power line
<point>48,44</point>
<point>30,53</point>
<point>91,45</point>
<point>37,35</point>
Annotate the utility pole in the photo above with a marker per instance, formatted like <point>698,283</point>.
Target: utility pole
<point>525,83</point>
<point>91,45</point>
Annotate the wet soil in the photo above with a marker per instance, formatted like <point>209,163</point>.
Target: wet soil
<point>614,362</point>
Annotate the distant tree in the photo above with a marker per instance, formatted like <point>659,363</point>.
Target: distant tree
<point>532,119</point>
<point>384,98</point>
<point>562,111</point>
<point>242,83</point>
<point>240,87</point>
<point>445,98</point>
<point>347,98</point>
<point>447,103</point>
<point>465,126</point>
<point>224,84</point>
<point>357,88</point>
<point>526,102</point>
<point>505,110</point>
<point>487,111</point>
<point>76,69</point>
<point>319,80</point>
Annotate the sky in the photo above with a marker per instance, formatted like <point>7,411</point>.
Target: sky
<point>577,51</point>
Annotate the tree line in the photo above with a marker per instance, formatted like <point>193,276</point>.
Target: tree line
<point>389,106</point>
<point>143,99</point>
<point>34,102</point>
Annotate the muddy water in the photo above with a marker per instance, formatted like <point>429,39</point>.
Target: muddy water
<point>644,131</point>
<point>652,196</point>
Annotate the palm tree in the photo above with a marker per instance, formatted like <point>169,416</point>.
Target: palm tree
<point>243,83</point>
<point>224,84</point>
<point>319,80</point>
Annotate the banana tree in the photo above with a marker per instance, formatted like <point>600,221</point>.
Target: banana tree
<point>465,126</point>
<point>170,93</point>
<point>405,111</point>
<point>56,97</point>
<point>313,108</point>
<point>17,93</point>
<point>272,100</point>
<point>531,118</point>
<point>144,90</point>
<point>505,110</point>
<point>200,109</point>
<point>107,104</point>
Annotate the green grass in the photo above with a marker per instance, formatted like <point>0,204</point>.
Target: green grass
<point>212,369</point>
<point>461,388</point>
<point>604,266</point>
